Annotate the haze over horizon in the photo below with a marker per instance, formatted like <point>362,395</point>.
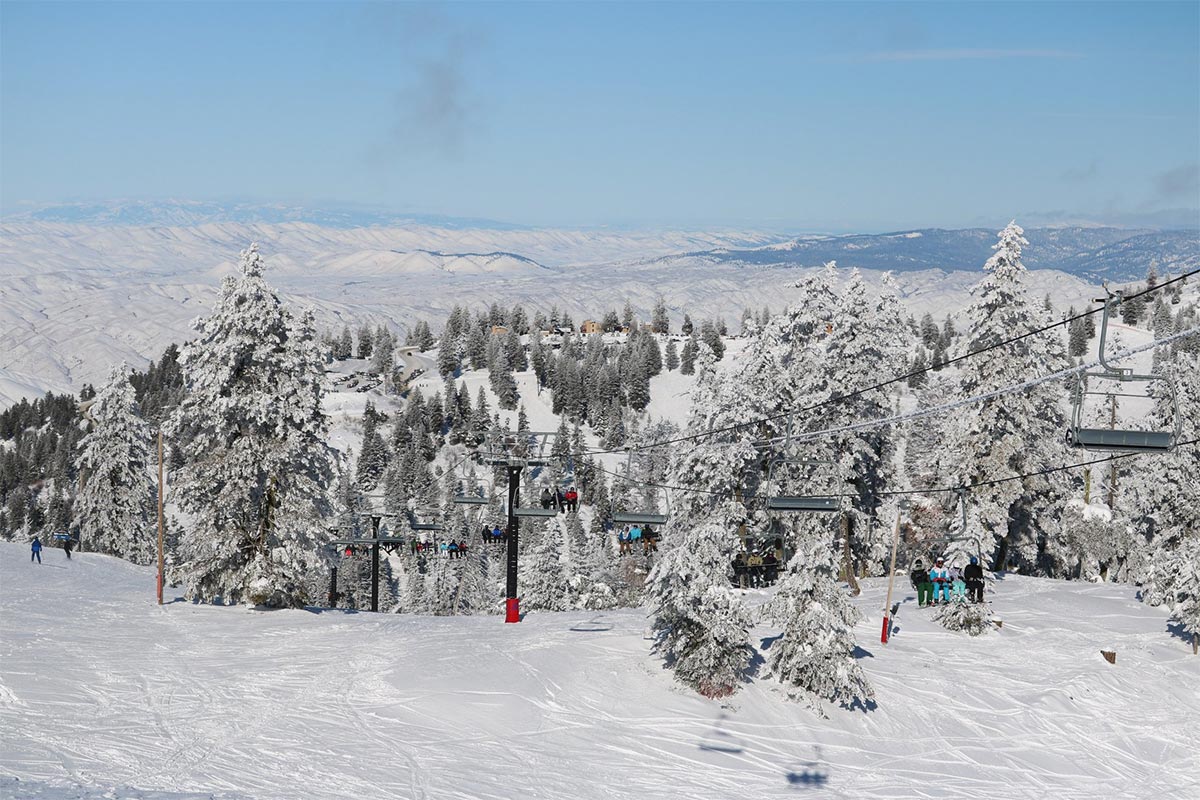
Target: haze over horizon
<point>796,117</point>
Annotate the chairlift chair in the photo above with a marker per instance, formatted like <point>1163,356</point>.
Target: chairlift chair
<point>797,503</point>
<point>473,492</point>
<point>422,524</point>
<point>642,516</point>
<point>1114,439</point>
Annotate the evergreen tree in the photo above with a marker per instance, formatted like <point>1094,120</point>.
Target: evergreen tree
<point>256,462</point>
<point>116,506</point>
<point>929,331</point>
<point>672,357</point>
<point>383,351</point>
<point>700,627</point>
<point>477,348</point>
<point>502,381</point>
<point>1014,433</point>
<point>345,345</point>
<point>815,654</point>
<point>686,328</point>
<point>711,336</point>
<point>546,585</point>
<point>365,340</point>
<point>687,360</point>
<point>373,454</point>
<point>660,322</point>
<point>627,318</point>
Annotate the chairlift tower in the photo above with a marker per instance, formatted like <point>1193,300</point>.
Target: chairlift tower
<point>375,542</point>
<point>515,452</point>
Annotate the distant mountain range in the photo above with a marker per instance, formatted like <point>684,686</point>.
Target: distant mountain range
<point>456,244</point>
<point>1094,254</point>
<point>121,281</point>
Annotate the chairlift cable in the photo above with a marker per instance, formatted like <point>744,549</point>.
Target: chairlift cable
<point>842,397</point>
<point>908,492</point>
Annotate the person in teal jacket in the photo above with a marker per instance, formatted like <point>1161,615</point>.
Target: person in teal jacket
<point>939,576</point>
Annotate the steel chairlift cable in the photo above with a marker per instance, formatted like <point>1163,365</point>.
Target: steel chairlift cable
<point>900,492</point>
<point>843,397</point>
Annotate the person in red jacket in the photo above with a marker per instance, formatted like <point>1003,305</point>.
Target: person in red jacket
<point>572,499</point>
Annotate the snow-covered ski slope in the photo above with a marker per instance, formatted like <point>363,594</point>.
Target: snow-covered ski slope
<point>105,694</point>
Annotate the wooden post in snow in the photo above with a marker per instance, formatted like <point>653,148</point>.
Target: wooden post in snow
<point>855,591</point>
<point>160,517</point>
<point>887,607</point>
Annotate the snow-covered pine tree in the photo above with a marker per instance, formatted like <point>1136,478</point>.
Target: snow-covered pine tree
<point>672,356</point>
<point>659,320</point>
<point>1016,433</point>
<point>257,465</point>
<point>115,507</point>
<point>546,584</point>
<point>701,627</point>
<point>815,654</point>
<point>960,615</point>
<point>373,454</point>
<point>687,359</point>
<point>366,338</point>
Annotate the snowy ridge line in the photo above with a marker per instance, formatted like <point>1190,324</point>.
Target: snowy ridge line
<point>902,492</point>
<point>890,381</point>
<point>1020,387</point>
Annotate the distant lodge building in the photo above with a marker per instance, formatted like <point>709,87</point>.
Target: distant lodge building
<point>590,326</point>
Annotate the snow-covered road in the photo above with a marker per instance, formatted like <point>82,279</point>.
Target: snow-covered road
<point>103,691</point>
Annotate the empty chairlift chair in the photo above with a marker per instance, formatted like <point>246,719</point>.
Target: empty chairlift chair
<point>779,500</point>
<point>1120,439</point>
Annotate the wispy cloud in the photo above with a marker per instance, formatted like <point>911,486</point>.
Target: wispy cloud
<point>1180,183</point>
<point>1081,174</point>
<point>963,54</point>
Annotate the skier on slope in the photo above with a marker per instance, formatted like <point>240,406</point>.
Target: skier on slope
<point>940,577</point>
<point>35,551</point>
<point>67,544</point>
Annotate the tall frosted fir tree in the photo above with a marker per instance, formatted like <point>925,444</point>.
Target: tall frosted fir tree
<point>252,435</point>
<point>1016,433</point>
<point>116,505</point>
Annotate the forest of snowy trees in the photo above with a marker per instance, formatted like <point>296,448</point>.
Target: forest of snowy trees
<point>803,407</point>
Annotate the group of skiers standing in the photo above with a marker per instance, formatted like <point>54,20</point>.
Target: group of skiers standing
<point>941,584</point>
<point>560,500</point>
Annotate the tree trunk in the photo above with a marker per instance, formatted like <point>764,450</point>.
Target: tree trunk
<point>855,590</point>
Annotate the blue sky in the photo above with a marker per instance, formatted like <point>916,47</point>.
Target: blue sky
<point>796,116</point>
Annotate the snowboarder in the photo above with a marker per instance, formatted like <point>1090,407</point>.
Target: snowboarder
<point>939,576</point>
<point>921,582</point>
<point>67,543</point>
<point>36,551</point>
<point>973,575</point>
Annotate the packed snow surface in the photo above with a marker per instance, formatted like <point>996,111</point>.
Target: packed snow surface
<point>105,694</point>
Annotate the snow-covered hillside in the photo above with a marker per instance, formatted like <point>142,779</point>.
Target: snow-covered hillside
<point>105,694</point>
<point>75,299</point>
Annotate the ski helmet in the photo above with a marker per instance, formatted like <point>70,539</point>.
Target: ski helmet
<point>974,560</point>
